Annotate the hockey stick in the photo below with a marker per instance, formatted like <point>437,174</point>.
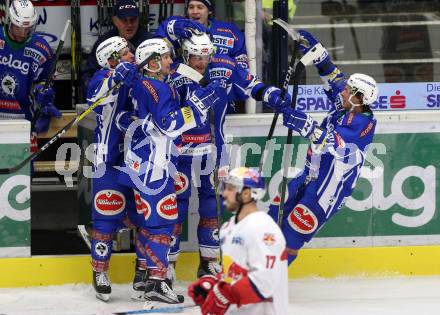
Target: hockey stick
<point>53,68</point>
<point>284,89</point>
<point>85,235</point>
<point>72,123</point>
<point>314,53</point>
<point>170,309</point>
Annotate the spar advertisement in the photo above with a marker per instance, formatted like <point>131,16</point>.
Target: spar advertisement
<point>392,97</point>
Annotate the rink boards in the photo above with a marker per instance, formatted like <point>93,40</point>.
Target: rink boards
<point>390,226</point>
<point>326,263</point>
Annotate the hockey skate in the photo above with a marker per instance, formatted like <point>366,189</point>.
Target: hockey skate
<point>158,294</point>
<point>102,285</point>
<point>208,267</point>
<point>140,277</point>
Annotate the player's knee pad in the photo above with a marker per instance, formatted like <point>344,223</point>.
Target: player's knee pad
<point>158,240</point>
<point>208,235</point>
<point>175,243</point>
<point>101,248</point>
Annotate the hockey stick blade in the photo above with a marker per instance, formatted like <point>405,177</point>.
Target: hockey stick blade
<point>283,24</point>
<point>72,123</point>
<point>85,235</point>
<point>190,73</point>
<point>170,309</point>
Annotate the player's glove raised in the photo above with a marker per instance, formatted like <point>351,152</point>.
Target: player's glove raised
<point>126,72</point>
<point>202,99</point>
<point>219,299</point>
<point>182,28</point>
<point>322,59</point>
<point>45,98</point>
<point>272,97</point>
<point>298,121</point>
<point>200,289</point>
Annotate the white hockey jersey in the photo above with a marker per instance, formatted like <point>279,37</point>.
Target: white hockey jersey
<point>255,263</point>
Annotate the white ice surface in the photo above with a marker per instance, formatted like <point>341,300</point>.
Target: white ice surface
<point>343,296</point>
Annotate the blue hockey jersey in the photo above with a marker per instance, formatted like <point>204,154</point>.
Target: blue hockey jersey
<point>227,38</point>
<point>21,65</point>
<point>162,120</point>
<point>108,138</point>
<point>239,85</point>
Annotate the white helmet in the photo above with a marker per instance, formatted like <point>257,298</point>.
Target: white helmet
<point>364,84</point>
<point>244,177</point>
<point>22,13</point>
<point>149,47</point>
<point>198,44</point>
<point>108,49</point>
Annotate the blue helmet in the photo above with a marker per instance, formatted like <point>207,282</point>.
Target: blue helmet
<point>244,177</point>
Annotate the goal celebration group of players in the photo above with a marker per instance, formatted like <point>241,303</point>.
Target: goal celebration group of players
<point>161,129</point>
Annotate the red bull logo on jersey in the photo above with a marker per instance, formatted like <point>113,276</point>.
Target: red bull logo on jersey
<point>142,206</point>
<point>302,220</point>
<point>167,207</point>
<point>181,183</point>
<point>109,202</point>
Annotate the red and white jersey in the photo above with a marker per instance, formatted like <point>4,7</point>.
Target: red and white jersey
<point>255,263</point>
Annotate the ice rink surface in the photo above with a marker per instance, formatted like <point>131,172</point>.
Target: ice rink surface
<point>341,296</point>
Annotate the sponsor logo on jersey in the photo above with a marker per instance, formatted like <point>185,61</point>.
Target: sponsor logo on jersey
<point>233,271</point>
<point>109,202</point>
<point>223,41</point>
<point>9,105</point>
<point>226,30</point>
<point>142,206</point>
<point>17,64</point>
<point>45,48</point>
<point>350,118</point>
<point>220,73</point>
<point>269,239</point>
<point>302,220</point>
<point>202,138</point>
<point>188,116</point>
<point>152,90</point>
<point>181,183</point>
<point>167,207</point>
<point>8,85</point>
<point>367,130</point>
<point>181,80</point>
<point>35,55</point>
<point>133,161</point>
<point>223,60</point>
<point>2,44</point>
<point>101,249</point>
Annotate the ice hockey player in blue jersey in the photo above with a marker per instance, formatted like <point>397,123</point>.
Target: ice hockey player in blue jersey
<point>149,159</point>
<point>25,61</point>
<point>112,202</point>
<point>198,157</point>
<point>227,37</point>
<point>336,153</point>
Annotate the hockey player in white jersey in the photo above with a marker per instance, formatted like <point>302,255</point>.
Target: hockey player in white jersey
<point>254,277</point>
